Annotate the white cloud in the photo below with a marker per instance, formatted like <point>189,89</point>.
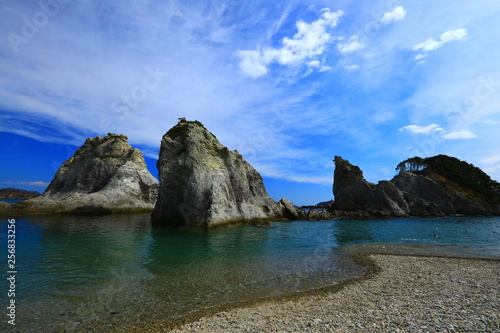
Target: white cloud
<point>397,14</point>
<point>251,64</point>
<point>308,43</point>
<point>420,56</point>
<point>422,129</point>
<point>37,183</point>
<point>354,44</point>
<point>449,36</point>
<point>492,122</point>
<point>459,135</point>
<point>316,64</point>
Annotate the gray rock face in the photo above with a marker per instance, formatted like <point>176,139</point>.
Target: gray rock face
<point>406,194</point>
<point>204,184</point>
<point>356,197</point>
<point>427,197</point>
<point>106,175</point>
<point>290,211</point>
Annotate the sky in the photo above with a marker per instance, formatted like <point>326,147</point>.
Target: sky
<point>289,84</point>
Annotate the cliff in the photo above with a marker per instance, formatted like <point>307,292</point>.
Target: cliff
<point>420,189</point>
<point>105,175</point>
<point>204,184</point>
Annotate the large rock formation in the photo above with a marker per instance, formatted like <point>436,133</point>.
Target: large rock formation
<point>204,184</point>
<point>356,197</point>
<point>105,175</point>
<point>409,193</point>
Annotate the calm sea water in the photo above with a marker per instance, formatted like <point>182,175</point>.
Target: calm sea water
<point>12,200</point>
<point>85,273</point>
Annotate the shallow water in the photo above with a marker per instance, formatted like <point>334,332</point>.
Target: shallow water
<point>85,273</point>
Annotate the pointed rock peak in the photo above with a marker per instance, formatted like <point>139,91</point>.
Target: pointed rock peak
<point>344,168</point>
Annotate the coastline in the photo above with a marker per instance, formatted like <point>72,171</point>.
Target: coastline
<point>400,293</point>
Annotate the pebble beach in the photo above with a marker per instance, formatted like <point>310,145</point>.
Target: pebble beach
<point>405,294</point>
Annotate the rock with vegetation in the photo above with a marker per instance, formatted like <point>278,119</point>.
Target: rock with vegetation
<point>444,185</point>
<point>434,186</point>
<point>204,184</point>
<point>105,175</point>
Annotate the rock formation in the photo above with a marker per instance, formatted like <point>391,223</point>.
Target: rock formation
<point>105,175</point>
<point>204,184</point>
<point>407,193</point>
<point>356,197</point>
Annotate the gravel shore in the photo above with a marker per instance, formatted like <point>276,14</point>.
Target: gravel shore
<point>409,294</point>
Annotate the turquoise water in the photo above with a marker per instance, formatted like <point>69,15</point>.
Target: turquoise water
<point>85,273</point>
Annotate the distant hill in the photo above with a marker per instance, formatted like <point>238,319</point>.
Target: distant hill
<point>17,194</point>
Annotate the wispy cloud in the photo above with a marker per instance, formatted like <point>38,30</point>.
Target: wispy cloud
<point>460,135</point>
<point>37,183</point>
<point>397,14</point>
<point>422,129</point>
<point>435,128</point>
<point>449,36</point>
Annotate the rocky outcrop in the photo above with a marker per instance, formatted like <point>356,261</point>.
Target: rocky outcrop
<point>356,197</point>
<point>406,194</point>
<point>428,197</point>
<point>291,212</point>
<point>105,175</point>
<point>204,184</point>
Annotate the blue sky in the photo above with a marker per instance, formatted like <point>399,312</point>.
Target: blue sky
<point>290,84</point>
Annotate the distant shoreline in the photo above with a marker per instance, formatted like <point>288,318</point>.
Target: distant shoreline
<point>409,293</point>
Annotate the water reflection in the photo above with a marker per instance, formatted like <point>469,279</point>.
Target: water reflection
<point>61,253</point>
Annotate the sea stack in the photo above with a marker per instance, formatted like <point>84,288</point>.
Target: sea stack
<point>204,184</point>
<point>105,175</point>
<point>355,197</point>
